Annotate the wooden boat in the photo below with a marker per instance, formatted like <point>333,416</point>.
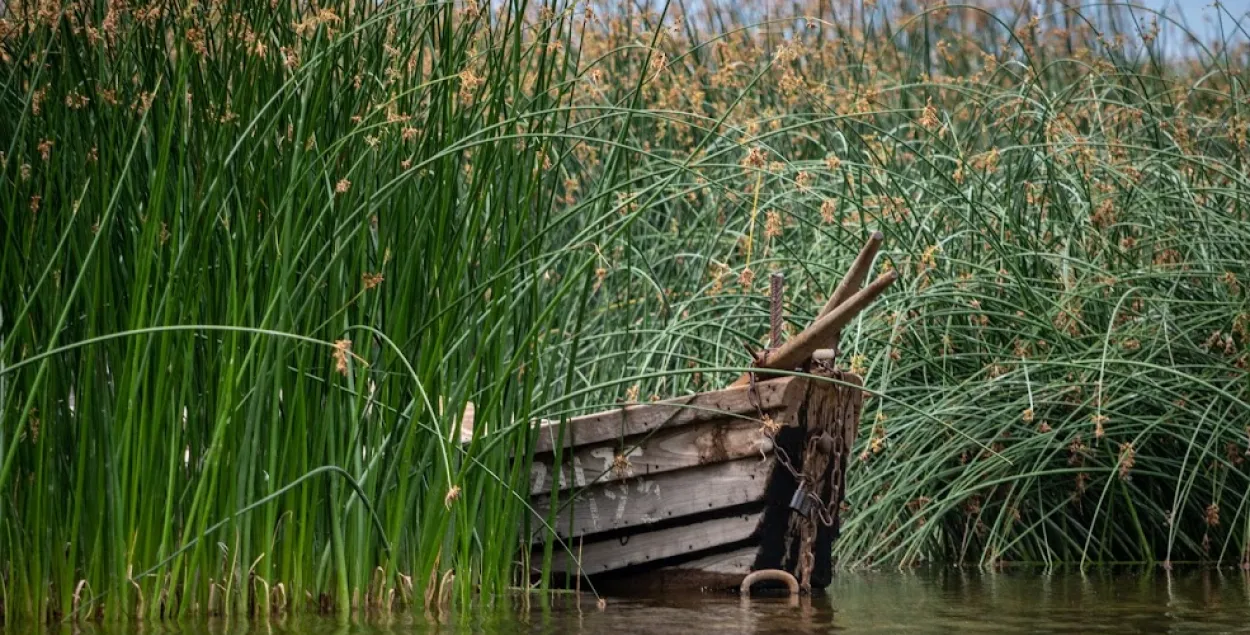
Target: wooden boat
<point>716,489</point>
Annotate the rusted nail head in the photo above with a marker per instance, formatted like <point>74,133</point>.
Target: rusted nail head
<point>824,443</point>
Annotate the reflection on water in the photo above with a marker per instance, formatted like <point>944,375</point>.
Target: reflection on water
<point>934,601</point>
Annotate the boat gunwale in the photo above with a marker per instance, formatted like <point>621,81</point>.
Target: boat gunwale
<point>773,395</point>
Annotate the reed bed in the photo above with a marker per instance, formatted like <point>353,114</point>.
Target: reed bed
<point>258,257</point>
<point>1059,376</point>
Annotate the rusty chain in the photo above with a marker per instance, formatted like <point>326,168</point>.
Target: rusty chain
<point>824,512</point>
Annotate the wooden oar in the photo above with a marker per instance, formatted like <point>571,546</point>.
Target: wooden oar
<point>795,352</point>
<point>847,301</point>
<point>851,282</point>
<point>856,275</point>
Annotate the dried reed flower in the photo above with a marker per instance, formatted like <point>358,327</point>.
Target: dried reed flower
<point>769,426</point>
<point>877,442</point>
<point>1104,216</point>
<point>746,279</point>
<point>1127,459</point>
<point>195,39</point>
<point>1098,420</point>
<point>929,119</point>
<point>755,158</point>
<point>290,57</point>
<point>1212,515</point>
<point>787,52</point>
<point>36,101</point>
<point>804,180</point>
<point>1230,280</point>
<point>1076,451</point>
<point>717,271</point>
<point>621,465</point>
<point>342,348</point>
<point>772,224</point>
<point>1082,482</point>
<point>828,211</point>
<point>658,61</point>
<point>469,81</point>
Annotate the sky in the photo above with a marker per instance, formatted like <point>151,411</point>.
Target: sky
<point>1194,10</point>
<point>1201,17</point>
<point>1197,12</point>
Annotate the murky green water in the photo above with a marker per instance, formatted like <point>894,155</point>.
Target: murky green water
<point>928,602</point>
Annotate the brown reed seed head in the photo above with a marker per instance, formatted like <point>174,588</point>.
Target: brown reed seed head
<point>342,348</point>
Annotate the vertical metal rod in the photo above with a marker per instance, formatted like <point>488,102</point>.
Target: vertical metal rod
<point>776,288</point>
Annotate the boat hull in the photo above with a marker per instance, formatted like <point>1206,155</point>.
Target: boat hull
<point>699,491</point>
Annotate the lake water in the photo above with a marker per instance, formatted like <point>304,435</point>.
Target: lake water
<point>934,601</point>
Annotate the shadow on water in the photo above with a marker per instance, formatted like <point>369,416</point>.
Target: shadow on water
<point>925,601</point>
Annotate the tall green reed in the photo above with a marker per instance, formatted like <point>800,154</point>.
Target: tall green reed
<point>257,259</point>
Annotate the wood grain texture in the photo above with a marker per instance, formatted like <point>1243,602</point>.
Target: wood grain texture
<point>736,562</point>
<point>644,500</point>
<point>663,450</point>
<point>610,555</point>
<point>621,423</point>
<point>854,279</point>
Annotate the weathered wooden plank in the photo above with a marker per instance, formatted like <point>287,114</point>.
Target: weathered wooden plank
<point>664,450</point>
<point>625,421</point>
<point>647,499</point>
<point>737,562</point>
<point>610,555</point>
<point>715,572</point>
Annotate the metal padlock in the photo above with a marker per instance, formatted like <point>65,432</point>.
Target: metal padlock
<point>801,502</point>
